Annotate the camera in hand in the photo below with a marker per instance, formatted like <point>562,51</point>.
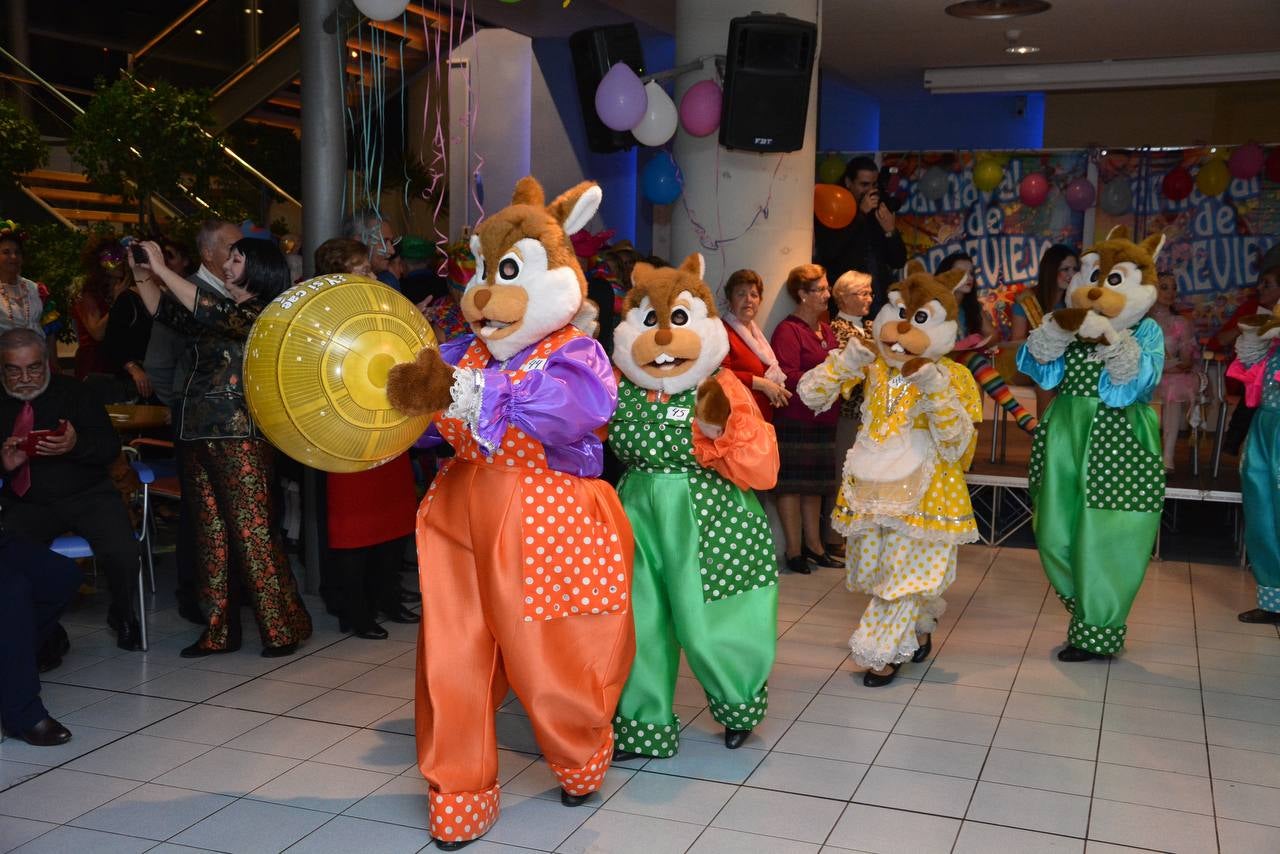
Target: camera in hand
<point>888,199</point>
<point>139,254</point>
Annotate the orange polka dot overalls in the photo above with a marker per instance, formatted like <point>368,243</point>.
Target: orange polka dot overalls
<point>526,579</point>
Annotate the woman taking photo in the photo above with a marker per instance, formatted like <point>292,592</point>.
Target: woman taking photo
<point>750,357</point>
<point>227,468</point>
<point>806,441</point>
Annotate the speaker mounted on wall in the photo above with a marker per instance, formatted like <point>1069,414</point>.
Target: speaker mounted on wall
<point>595,51</point>
<point>768,68</point>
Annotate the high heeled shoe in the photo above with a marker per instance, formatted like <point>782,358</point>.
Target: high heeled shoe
<point>922,651</point>
<point>279,651</point>
<point>196,650</point>
<point>799,564</point>
<point>821,559</point>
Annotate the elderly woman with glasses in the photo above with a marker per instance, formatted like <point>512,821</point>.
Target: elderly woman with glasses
<point>806,440</point>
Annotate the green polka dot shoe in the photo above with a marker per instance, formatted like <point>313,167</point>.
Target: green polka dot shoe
<point>632,738</point>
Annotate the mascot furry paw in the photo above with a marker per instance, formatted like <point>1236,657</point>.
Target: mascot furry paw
<point>899,504</point>
<point>694,445</point>
<point>524,555</point>
<point>1105,358</point>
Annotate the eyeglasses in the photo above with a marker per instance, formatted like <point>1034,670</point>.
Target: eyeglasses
<point>17,372</point>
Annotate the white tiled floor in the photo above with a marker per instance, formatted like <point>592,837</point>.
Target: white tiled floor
<point>991,746</point>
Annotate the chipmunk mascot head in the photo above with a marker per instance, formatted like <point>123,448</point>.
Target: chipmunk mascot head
<point>1117,280</point>
<point>528,283</point>
<point>670,338</point>
<point>918,323</point>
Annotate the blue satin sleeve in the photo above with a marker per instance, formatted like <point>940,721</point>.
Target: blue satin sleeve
<point>1047,375</point>
<point>1150,368</point>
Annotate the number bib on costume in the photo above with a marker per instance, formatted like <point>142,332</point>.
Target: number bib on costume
<point>735,547</point>
<point>571,559</point>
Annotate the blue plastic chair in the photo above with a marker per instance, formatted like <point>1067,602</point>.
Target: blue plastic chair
<point>77,547</point>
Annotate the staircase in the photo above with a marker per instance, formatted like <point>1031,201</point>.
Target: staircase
<point>72,200</point>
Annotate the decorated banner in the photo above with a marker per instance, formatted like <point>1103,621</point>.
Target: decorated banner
<point>1217,226</point>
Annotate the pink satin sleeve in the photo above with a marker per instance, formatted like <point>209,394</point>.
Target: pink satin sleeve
<point>1251,378</point>
<point>746,453</point>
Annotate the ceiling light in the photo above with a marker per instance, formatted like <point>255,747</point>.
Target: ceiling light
<point>996,10</point>
<point>1108,74</point>
<point>1022,49</point>
<point>199,31</point>
<point>354,54</point>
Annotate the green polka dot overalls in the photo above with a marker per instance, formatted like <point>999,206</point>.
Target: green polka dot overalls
<point>705,577</point>
<point>1097,485</point>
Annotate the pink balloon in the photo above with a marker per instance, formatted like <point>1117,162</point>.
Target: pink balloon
<point>1080,194</point>
<point>1034,189</point>
<point>700,108</point>
<point>1246,161</point>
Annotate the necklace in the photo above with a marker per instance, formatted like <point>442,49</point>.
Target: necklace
<point>10,301</point>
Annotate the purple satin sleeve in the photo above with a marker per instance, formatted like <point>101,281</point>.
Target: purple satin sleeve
<point>560,405</point>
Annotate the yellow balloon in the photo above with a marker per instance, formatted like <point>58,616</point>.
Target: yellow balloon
<point>987,175</point>
<point>1213,178</point>
<point>316,366</point>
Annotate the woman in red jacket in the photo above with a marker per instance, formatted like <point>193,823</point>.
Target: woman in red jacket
<point>750,356</point>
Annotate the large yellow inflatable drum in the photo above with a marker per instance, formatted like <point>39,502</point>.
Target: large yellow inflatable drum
<point>316,366</point>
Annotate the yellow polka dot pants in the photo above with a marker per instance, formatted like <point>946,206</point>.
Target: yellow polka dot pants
<point>905,578</point>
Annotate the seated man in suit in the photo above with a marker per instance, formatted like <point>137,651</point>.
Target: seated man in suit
<point>62,483</point>
<point>35,585</point>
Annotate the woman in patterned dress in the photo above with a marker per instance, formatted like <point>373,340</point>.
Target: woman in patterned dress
<point>227,468</point>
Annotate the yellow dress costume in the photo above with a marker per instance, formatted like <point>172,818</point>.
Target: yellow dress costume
<point>903,502</point>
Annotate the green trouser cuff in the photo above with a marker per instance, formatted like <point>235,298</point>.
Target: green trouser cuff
<point>1102,640</point>
<point>740,716</point>
<point>1067,602</point>
<point>650,739</point>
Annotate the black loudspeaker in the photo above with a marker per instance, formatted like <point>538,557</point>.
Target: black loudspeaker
<point>768,67</point>
<point>595,51</point>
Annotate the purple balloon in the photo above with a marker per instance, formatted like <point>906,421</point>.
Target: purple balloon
<point>1080,194</point>
<point>620,98</point>
<point>700,108</point>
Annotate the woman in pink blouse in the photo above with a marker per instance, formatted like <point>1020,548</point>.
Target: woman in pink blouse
<point>1180,384</point>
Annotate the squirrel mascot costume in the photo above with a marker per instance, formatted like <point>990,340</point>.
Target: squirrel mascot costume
<point>1097,473</point>
<point>1257,365</point>
<point>694,445</point>
<point>524,555</point>
<point>903,501</point>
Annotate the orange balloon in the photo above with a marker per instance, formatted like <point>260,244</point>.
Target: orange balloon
<point>833,206</point>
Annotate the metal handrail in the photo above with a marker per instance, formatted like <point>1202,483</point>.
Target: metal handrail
<point>166,32</point>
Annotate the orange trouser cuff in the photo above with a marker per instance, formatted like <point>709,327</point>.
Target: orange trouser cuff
<point>460,816</point>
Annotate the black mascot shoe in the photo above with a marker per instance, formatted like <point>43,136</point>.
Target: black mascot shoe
<point>733,738</point>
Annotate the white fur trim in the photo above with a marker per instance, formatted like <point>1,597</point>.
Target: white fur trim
<point>930,379</point>
<point>588,318</point>
<point>711,431</point>
<point>1250,347</point>
<point>1122,357</point>
<point>467,392</point>
<point>1048,341</point>
<point>583,210</point>
<point>702,265</point>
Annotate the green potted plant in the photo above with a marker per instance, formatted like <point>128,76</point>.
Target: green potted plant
<point>23,149</point>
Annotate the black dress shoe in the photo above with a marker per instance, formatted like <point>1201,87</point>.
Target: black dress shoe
<point>1258,615</point>
<point>733,738</point>
<point>129,635</point>
<point>47,733</point>
<point>573,800</point>
<point>873,680</point>
<point>620,755</point>
<point>1075,653</point>
<point>279,651</point>
<point>922,651</point>
<point>401,614</point>
<point>823,560</point>
<point>452,846</point>
<point>369,631</point>
<point>49,656</point>
<point>196,650</point>
<point>799,564</point>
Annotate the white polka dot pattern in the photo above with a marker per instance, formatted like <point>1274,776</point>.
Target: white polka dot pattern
<point>461,816</point>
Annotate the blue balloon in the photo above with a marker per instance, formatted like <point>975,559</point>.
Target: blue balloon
<point>661,180</point>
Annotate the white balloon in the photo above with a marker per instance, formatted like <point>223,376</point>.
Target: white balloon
<point>382,10</point>
<point>660,117</point>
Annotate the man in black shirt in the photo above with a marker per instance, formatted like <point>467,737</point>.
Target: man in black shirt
<point>871,243</point>
<point>64,485</point>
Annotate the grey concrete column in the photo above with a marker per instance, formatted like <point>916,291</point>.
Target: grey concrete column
<point>324,140</point>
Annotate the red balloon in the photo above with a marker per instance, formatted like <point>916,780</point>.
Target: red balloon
<point>1177,184</point>
<point>1246,161</point>
<point>1033,189</point>
<point>1272,169</point>
<point>833,206</point>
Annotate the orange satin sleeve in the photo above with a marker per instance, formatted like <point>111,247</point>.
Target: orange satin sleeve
<point>746,453</point>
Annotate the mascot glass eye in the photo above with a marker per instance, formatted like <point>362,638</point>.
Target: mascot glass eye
<point>679,317</point>
<point>1115,280</point>
<point>651,319</point>
<point>1093,277</point>
<point>508,268</point>
<point>921,317</point>
<point>902,312</point>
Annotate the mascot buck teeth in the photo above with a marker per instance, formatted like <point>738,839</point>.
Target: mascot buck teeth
<point>695,446</point>
<point>524,555</point>
<point>903,501</point>
<point>1097,474</point>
